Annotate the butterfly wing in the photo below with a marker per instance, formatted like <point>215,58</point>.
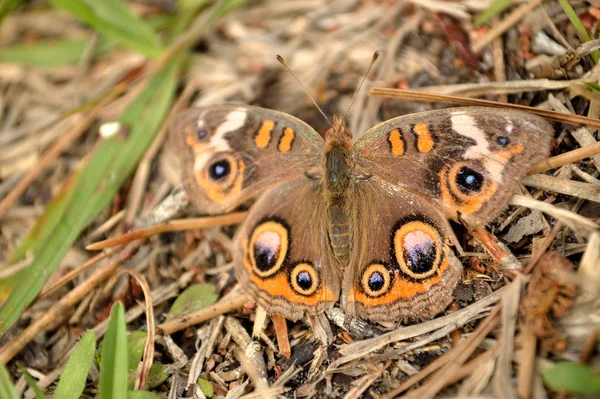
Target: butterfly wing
<point>465,161</point>
<point>282,254</point>
<point>230,153</point>
<point>401,265</point>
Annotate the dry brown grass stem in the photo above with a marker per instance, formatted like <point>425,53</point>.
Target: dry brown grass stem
<point>172,225</point>
<point>571,119</point>
<point>61,308</point>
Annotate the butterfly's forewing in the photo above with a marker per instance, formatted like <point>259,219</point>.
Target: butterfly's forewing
<point>282,254</point>
<point>230,153</point>
<point>401,265</point>
<point>465,161</point>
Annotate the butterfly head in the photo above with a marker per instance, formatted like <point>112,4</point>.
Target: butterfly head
<point>338,132</point>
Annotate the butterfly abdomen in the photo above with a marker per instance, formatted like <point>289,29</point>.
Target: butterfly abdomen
<point>338,165</point>
<point>340,232</point>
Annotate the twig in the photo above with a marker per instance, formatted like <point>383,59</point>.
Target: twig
<point>60,308</point>
<point>234,300</point>
<point>571,119</point>
<point>172,225</point>
<point>504,25</point>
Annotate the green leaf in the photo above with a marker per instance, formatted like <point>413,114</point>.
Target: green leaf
<point>158,375</point>
<point>494,9</point>
<point>136,340</point>
<point>593,86</point>
<point>113,360</point>
<point>113,19</point>
<point>142,395</point>
<point>31,383</point>
<point>73,378</point>
<point>576,22</point>
<point>7,388</point>
<point>194,298</point>
<point>90,190</point>
<point>206,387</point>
<point>573,378</point>
<point>47,54</point>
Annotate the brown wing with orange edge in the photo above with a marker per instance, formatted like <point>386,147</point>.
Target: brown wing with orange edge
<point>465,161</point>
<point>231,153</point>
<point>401,264</point>
<point>282,254</point>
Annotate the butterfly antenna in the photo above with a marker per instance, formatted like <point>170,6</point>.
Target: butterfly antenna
<point>286,66</point>
<point>375,56</point>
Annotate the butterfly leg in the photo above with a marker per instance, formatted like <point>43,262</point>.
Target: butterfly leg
<point>497,249</point>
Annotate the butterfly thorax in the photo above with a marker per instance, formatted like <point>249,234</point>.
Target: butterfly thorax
<point>338,164</point>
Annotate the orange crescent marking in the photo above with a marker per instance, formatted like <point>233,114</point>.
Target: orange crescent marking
<point>401,289</point>
<point>395,139</point>
<point>279,285</point>
<point>285,143</point>
<point>263,137</point>
<point>425,141</point>
<point>471,203</point>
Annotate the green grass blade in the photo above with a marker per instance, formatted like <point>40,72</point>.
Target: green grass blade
<point>6,6</point>
<point>48,54</point>
<point>91,189</point>
<point>73,378</point>
<point>142,395</point>
<point>7,388</point>
<point>494,9</point>
<point>113,19</point>
<point>577,25</point>
<point>113,360</point>
<point>32,384</point>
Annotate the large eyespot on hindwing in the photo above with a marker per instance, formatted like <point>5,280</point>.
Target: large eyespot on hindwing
<point>220,175</point>
<point>417,248</point>
<point>304,279</point>
<point>269,244</point>
<point>376,280</point>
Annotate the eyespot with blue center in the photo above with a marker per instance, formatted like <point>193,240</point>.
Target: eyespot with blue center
<point>376,280</point>
<point>304,279</point>
<point>201,133</point>
<point>469,180</point>
<point>220,169</point>
<point>503,141</point>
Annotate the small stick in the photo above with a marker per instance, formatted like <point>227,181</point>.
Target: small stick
<point>501,27</point>
<point>74,273</point>
<point>527,364</point>
<point>542,249</point>
<point>172,225</point>
<point>226,304</point>
<point>566,158</point>
<point>60,308</point>
<point>571,119</point>
<point>281,332</point>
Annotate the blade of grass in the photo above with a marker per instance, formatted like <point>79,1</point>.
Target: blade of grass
<point>577,25</point>
<point>73,378</point>
<point>32,384</point>
<point>494,9</point>
<point>47,54</point>
<point>113,360</point>
<point>113,19</point>
<point>6,6</point>
<point>90,190</point>
<point>7,388</point>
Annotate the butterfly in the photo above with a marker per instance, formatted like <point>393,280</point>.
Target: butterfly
<point>362,223</point>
